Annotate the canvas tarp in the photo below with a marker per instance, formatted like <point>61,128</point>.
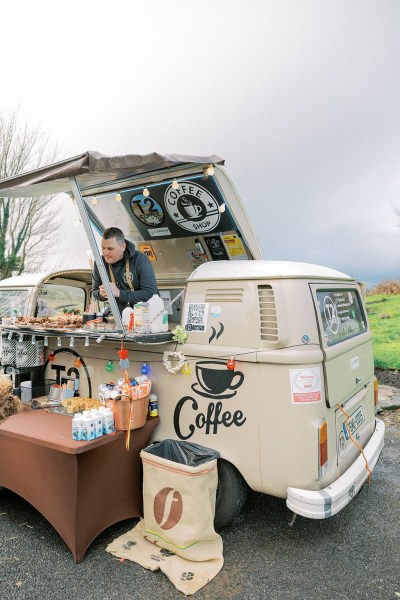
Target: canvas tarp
<point>92,169</point>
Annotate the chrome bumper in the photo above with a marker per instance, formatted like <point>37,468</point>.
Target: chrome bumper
<point>329,501</point>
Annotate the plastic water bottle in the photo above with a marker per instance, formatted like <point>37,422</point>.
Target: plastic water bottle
<point>77,427</point>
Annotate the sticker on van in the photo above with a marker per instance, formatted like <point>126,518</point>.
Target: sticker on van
<point>195,317</point>
<point>305,385</point>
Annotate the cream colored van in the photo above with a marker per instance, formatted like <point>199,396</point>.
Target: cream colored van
<point>278,371</point>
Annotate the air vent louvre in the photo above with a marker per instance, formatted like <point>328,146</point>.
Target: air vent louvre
<point>216,296</point>
<point>268,320</point>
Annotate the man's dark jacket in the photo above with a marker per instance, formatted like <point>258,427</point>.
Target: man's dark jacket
<point>142,276</point>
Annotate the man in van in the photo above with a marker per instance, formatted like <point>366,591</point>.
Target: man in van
<point>130,272</point>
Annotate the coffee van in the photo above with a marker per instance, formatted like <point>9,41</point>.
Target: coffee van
<point>275,370</point>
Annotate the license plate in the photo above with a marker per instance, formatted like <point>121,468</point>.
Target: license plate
<point>356,419</point>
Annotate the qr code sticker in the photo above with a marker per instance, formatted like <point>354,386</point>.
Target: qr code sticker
<point>196,316</point>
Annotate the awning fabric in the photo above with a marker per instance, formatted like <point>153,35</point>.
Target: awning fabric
<point>92,169</point>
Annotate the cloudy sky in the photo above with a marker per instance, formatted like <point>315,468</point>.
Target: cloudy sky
<point>301,98</point>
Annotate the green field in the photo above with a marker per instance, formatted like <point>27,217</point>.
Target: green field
<point>385,330</point>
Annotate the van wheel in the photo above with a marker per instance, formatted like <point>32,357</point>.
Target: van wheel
<point>231,494</point>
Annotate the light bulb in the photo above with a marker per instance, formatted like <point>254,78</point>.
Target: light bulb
<point>186,368</point>
<point>175,185</point>
<point>94,200</point>
<point>231,364</point>
<point>222,208</point>
<point>46,341</point>
<point>59,342</point>
<point>210,170</point>
<point>146,192</point>
<point>118,197</point>
<point>21,338</point>
<point>145,369</point>
<point>33,340</point>
<point>10,335</point>
<point>51,356</point>
<point>86,341</point>
<point>71,342</point>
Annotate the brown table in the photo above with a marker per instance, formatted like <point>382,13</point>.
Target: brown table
<point>81,488</point>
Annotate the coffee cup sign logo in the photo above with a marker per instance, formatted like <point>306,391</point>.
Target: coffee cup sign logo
<point>168,508</point>
<point>192,207</point>
<point>218,383</point>
<point>215,380</point>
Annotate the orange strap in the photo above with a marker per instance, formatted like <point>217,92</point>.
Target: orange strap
<point>355,443</point>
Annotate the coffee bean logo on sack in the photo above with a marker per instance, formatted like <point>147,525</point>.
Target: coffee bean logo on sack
<point>168,508</point>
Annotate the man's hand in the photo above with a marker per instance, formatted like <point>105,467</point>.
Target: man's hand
<point>114,290</point>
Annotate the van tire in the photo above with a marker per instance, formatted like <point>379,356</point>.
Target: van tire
<point>232,492</point>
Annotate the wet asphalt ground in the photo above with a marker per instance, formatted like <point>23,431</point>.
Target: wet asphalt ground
<point>353,555</point>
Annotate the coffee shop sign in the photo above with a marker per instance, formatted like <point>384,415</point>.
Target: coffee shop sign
<point>216,382</point>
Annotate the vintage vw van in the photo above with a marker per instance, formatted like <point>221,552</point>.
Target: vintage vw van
<point>279,373</point>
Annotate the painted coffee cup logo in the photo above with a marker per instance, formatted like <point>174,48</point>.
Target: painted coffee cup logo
<point>168,508</point>
<point>192,207</point>
<point>216,379</point>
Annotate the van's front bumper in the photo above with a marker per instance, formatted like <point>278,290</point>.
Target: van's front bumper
<point>329,501</point>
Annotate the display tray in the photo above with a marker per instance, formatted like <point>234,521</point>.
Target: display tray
<point>54,330</point>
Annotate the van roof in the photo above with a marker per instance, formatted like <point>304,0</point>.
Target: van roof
<point>34,279</point>
<point>261,269</point>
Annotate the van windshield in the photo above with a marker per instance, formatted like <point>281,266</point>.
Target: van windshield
<point>342,315</point>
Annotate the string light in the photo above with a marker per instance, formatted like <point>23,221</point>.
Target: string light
<point>145,370</point>
<point>100,339</point>
<point>71,342</point>
<point>175,185</point>
<point>46,341</point>
<point>146,192</point>
<point>33,340</point>
<point>118,197</point>
<point>231,364</point>
<point>186,370</point>
<point>59,342</point>
<point>86,341</point>
<point>21,338</point>
<point>10,335</point>
<point>222,208</point>
<point>109,368</point>
<point>51,356</point>
<point>94,200</point>
<point>208,171</point>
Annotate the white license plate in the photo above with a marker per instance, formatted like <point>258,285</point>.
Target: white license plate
<point>356,419</point>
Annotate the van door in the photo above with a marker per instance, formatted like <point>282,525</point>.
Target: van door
<point>348,364</point>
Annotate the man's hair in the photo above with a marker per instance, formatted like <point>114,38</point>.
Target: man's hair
<point>114,232</point>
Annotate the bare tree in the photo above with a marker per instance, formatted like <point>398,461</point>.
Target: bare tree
<point>28,226</point>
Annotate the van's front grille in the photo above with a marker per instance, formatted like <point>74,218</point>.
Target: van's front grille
<point>226,295</point>
<point>268,320</point>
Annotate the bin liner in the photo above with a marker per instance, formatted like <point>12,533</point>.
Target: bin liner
<point>184,453</point>
<point>179,492</point>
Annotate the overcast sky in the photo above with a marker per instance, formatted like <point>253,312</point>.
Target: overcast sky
<point>301,98</point>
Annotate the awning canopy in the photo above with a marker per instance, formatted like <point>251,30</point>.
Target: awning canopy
<point>93,169</point>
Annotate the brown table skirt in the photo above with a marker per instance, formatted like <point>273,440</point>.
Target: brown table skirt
<point>81,488</point>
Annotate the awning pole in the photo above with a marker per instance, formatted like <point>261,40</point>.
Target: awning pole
<point>97,256</point>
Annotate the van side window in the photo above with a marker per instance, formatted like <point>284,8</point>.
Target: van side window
<point>12,302</point>
<point>342,315</point>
